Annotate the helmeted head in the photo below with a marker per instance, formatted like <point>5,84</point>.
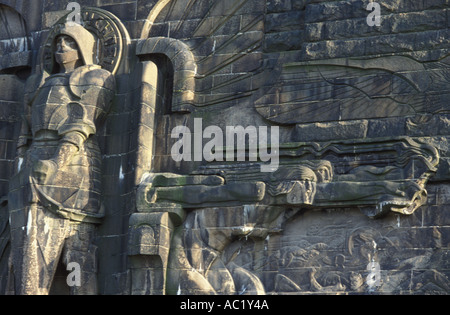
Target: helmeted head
<point>71,41</point>
<point>297,183</point>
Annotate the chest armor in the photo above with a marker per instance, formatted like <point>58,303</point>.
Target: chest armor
<point>50,108</point>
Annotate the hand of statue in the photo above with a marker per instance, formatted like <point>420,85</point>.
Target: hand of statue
<point>43,171</point>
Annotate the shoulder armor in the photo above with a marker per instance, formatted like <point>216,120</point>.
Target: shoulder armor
<point>32,86</point>
<point>83,78</point>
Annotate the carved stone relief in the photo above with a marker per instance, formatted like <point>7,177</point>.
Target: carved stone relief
<point>55,199</point>
<point>222,214</point>
<point>326,257</point>
<point>261,204</point>
<point>352,207</point>
<point>372,88</point>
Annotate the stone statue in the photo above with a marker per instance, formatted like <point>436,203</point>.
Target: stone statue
<point>55,198</point>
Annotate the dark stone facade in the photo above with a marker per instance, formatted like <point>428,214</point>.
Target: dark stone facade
<point>368,105</point>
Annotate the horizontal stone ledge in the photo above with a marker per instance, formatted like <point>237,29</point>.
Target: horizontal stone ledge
<point>15,60</point>
<point>330,131</point>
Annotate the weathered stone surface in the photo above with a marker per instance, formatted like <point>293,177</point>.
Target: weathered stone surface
<point>5,245</point>
<point>330,131</point>
<point>363,118</point>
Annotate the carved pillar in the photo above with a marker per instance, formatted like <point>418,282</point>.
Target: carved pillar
<point>151,227</point>
<point>151,231</point>
<point>147,118</point>
<point>149,250</point>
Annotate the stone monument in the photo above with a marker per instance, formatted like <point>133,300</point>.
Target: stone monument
<point>224,147</point>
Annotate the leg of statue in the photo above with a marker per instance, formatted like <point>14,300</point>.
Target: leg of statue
<point>36,262</point>
<point>80,252</point>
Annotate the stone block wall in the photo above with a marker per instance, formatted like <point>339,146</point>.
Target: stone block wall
<point>316,69</point>
<point>10,116</point>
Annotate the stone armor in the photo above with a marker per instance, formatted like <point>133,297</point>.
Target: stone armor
<point>55,198</point>
<point>68,108</point>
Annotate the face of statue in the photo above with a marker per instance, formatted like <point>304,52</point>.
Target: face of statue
<point>303,192</point>
<point>66,51</point>
<point>298,184</point>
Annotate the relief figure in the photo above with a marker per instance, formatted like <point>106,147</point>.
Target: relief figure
<point>55,197</point>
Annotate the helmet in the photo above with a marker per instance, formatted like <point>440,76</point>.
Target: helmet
<point>85,40</point>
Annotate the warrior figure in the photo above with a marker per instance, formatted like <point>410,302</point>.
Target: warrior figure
<point>55,198</point>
